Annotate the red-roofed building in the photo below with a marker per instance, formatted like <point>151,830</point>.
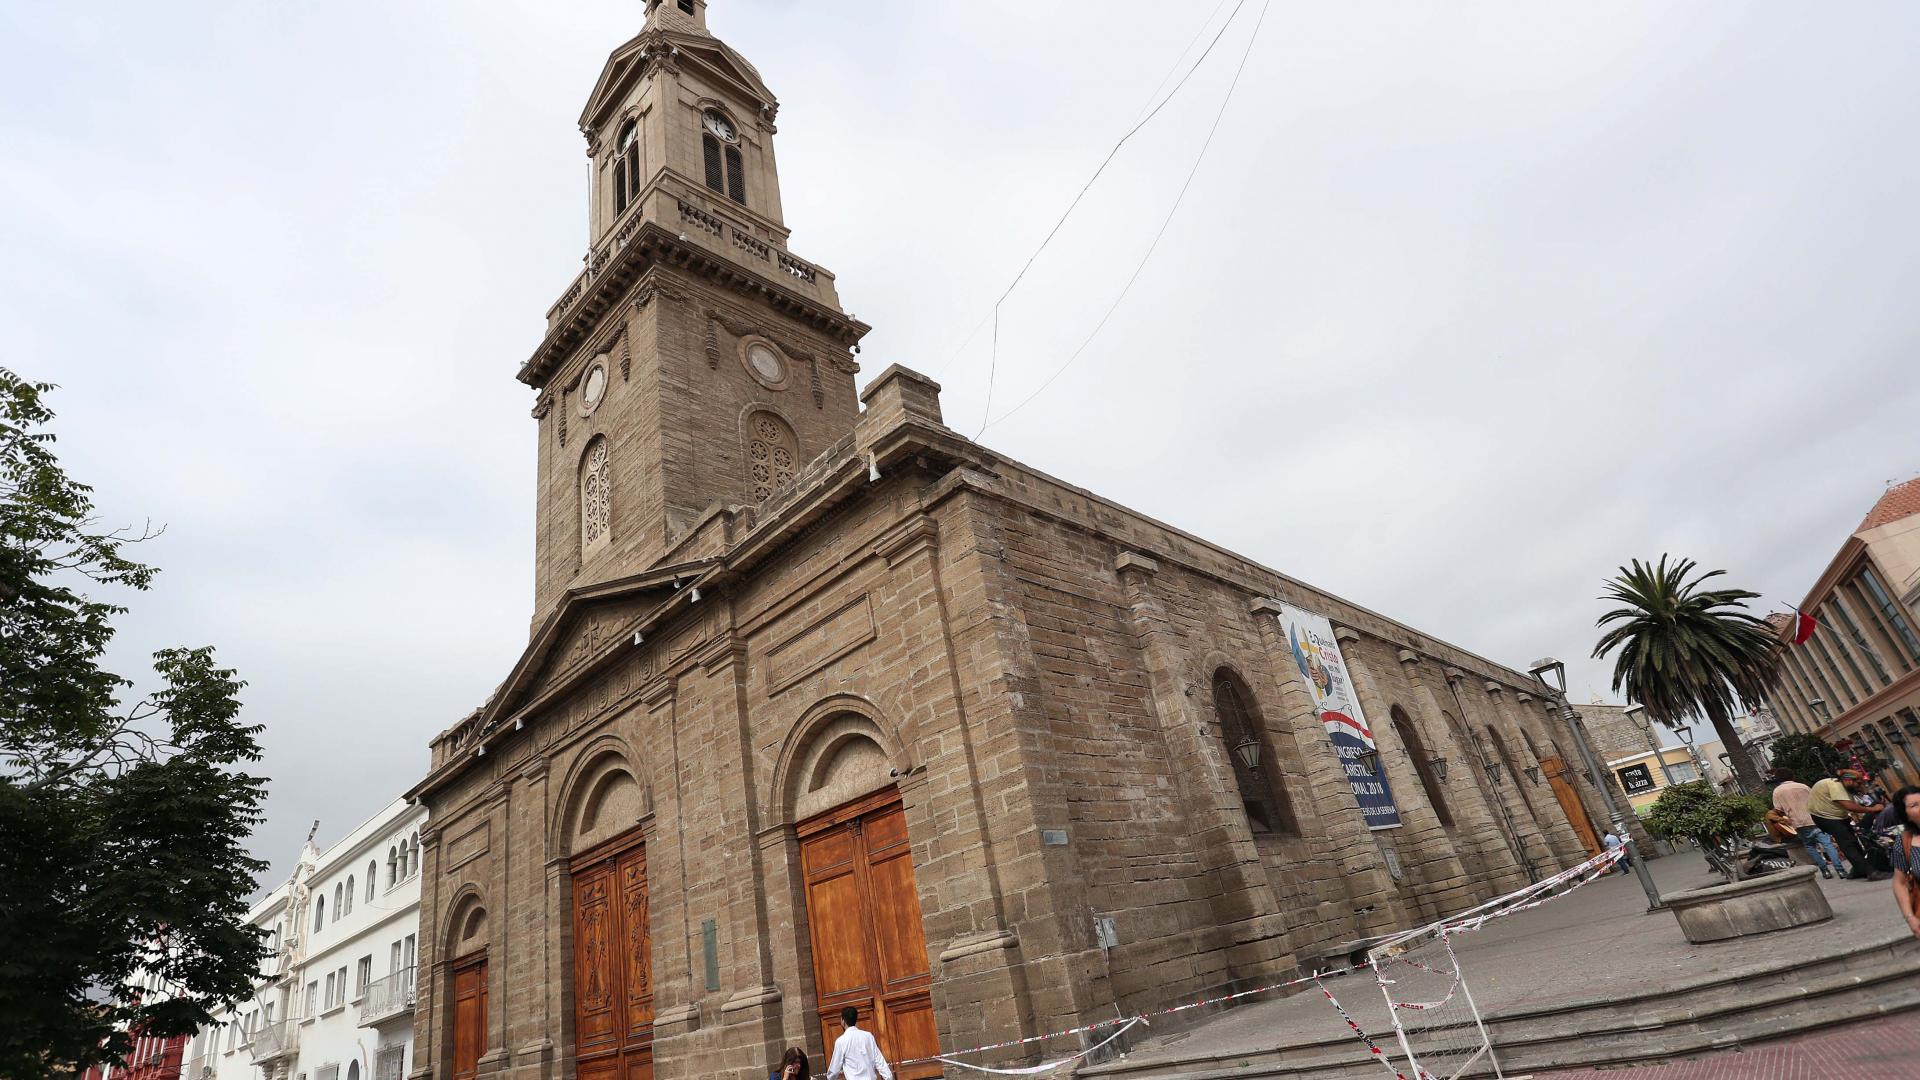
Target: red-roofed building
<point>1858,677</point>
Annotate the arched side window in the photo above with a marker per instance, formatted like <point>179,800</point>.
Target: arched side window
<point>336,901</point>
<point>393,866</point>
<point>1422,765</point>
<point>373,874</point>
<point>415,845</point>
<point>771,453</point>
<point>1268,808</point>
<point>403,862</point>
<point>626,166</point>
<point>319,913</point>
<point>596,501</point>
<point>350,891</point>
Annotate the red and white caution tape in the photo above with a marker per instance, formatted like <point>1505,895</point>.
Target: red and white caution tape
<point>1534,895</point>
<point>1034,1070</point>
<point>1373,1048</point>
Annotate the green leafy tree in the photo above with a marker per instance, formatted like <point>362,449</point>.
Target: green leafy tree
<point>123,817</point>
<point>1807,757</point>
<point>1720,824</point>
<point>1685,651</point>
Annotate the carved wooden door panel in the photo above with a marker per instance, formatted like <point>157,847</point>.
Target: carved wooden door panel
<point>863,916</point>
<point>1570,804</point>
<point>612,965</point>
<point>469,1017</point>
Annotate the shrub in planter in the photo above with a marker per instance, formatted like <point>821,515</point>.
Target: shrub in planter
<point>1720,824</point>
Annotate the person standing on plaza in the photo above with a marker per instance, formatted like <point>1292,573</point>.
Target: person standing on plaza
<point>1614,843</point>
<point>1793,799</point>
<point>856,1055</point>
<point>1829,804</point>
<point>1906,879</point>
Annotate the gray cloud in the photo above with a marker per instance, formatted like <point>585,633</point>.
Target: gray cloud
<point>1465,308</point>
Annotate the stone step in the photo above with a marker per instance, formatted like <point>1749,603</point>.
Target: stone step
<point>1739,1007</point>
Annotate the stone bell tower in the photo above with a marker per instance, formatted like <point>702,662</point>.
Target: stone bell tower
<point>696,365</point>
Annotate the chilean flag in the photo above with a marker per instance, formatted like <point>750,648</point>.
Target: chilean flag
<point>1803,626</point>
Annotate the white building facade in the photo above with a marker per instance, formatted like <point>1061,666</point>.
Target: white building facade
<point>335,997</point>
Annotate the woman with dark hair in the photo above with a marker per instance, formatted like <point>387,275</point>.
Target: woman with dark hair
<point>1906,877</point>
<point>793,1065</point>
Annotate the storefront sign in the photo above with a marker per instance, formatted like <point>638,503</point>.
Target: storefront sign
<point>1636,779</point>
<point>1317,655</point>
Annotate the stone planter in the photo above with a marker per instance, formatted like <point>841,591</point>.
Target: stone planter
<point>1761,905</point>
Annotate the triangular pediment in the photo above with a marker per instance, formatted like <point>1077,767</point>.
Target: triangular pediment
<point>628,61</point>
<point>588,625</point>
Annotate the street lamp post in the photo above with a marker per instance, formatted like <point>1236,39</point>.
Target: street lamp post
<point>1553,675</point>
<point>1638,714</point>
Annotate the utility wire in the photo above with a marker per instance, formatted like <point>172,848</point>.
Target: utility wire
<point>991,315</point>
<point>1151,248</point>
<point>993,365</point>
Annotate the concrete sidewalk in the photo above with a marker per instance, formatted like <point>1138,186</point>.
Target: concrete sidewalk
<point>1596,944</point>
<point>1887,1047</point>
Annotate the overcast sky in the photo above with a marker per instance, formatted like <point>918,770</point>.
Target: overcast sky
<point>1465,307</point>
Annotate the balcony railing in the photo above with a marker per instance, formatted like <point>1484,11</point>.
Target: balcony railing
<point>388,998</point>
<point>270,1042</point>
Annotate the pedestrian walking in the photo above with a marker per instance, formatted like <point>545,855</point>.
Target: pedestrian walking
<point>856,1055</point>
<point>1792,800</point>
<point>793,1066</point>
<point>1830,804</point>
<point>1906,881</point>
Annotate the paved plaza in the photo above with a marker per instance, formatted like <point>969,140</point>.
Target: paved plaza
<point>1870,1050</point>
<point>1597,944</point>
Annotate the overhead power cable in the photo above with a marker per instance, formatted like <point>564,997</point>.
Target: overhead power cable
<point>993,315</point>
<point>989,420</point>
<point>993,365</point>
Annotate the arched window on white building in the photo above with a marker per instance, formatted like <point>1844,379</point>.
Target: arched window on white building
<point>319,913</point>
<point>348,910</point>
<point>373,874</point>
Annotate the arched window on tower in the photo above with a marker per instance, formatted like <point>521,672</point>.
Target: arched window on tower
<point>720,150</point>
<point>596,504</point>
<point>626,166</point>
<point>1422,765</point>
<point>771,453</point>
<point>1261,794</point>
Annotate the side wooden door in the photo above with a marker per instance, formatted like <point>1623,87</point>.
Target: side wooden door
<point>863,918</point>
<point>612,964</point>
<point>1570,804</point>
<point>469,1016</point>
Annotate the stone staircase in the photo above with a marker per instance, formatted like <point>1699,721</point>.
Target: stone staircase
<point>1721,1011</point>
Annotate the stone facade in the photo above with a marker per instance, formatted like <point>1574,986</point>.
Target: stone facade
<point>748,660</point>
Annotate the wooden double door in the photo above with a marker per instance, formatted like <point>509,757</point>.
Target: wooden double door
<point>469,1015</point>
<point>1570,804</point>
<point>863,918</point>
<point>612,963</point>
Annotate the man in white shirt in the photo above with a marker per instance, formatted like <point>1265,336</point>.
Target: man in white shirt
<point>855,1055</point>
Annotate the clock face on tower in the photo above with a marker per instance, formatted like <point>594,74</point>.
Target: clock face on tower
<point>719,125</point>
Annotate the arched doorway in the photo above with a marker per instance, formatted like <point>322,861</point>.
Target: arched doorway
<point>863,903</point>
<point>612,935</point>
<point>467,944</point>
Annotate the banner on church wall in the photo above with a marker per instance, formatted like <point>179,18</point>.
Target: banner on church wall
<point>1317,654</point>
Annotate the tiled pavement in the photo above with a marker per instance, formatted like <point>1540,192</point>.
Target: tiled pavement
<point>1883,1049</point>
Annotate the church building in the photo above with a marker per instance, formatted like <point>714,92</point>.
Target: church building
<point>826,704</point>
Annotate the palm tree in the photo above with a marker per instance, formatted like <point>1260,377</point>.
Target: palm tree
<point>1687,651</point>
